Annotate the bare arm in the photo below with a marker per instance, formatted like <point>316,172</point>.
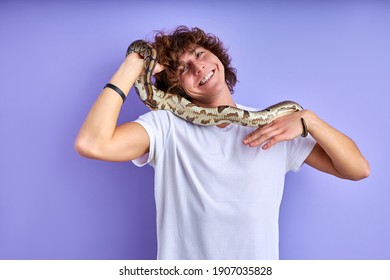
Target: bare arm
<point>99,136</point>
<point>334,153</point>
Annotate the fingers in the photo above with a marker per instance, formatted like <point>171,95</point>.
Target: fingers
<point>158,68</point>
<point>284,128</point>
<point>269,133</point>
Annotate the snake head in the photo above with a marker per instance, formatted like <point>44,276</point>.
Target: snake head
<point>141,47</point>
<point>134,47</point>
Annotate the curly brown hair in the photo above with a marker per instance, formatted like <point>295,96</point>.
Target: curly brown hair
<point>170,47</point>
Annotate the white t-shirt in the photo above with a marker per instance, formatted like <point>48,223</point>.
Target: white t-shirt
<point>216,198</point>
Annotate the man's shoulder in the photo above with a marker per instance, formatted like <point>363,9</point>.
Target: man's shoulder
<point>161,118</point>
<point>156,114</point>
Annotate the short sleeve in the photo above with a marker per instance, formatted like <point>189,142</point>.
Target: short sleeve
<point>157,125</point>
<point>146,158</point>
<point>298,150</point>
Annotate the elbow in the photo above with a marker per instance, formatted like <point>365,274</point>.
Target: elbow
<point>365,173</point>
<point>85,149</point>
<point>80,148</point>
<point>362,173</point>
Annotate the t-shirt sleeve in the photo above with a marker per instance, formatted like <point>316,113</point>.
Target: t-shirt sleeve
<point>157,125</point>
<point>298,150</point>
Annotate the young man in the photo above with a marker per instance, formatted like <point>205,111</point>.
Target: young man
<point>217,189</point>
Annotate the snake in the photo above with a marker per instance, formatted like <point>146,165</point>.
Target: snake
<point>156,99</point>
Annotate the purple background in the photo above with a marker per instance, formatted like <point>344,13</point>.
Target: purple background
<point>332,57</point>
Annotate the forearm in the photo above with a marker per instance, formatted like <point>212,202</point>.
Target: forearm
<point>342,151</point>
<point>100,123</point>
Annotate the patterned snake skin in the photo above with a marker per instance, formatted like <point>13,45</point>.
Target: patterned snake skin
<point>157,99</point>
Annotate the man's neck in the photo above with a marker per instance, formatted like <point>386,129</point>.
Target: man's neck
<point>222,99</point>
<point>227,100</point>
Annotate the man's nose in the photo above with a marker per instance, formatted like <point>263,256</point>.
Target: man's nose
<point>198,67</point>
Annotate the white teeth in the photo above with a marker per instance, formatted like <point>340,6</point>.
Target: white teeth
<point>206,78</point>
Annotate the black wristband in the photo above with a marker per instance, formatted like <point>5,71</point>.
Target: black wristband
<point>305,132</point>
<point>118,90</point>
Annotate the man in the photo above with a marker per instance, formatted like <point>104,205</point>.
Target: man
<point>217,189</point>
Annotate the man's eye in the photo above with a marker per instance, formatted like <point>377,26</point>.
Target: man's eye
<point>183,69</point>
<point>199,54</point>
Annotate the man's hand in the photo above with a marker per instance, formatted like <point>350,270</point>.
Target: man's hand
<point>157,69</point>
<point>334,153</point>
<point>284,128</point>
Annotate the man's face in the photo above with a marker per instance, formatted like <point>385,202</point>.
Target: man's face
<point>202,75</point>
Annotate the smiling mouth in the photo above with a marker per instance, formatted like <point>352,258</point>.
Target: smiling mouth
<point>206,78</point>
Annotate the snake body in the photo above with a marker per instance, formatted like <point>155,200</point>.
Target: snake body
<point>157,99</point>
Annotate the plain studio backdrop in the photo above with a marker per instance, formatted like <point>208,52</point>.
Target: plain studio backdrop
<point>330,56</point>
